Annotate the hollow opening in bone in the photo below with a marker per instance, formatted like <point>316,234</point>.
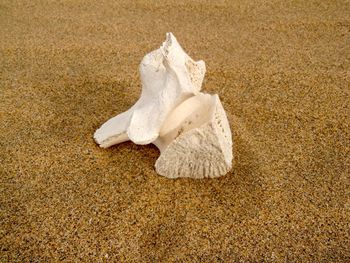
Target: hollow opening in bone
<point>190,114</point>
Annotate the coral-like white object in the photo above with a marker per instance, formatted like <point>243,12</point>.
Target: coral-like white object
<point>190,128</point>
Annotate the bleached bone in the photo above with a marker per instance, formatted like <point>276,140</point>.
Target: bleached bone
<point>195,140</point>
<point>169,76</point>
<point>189,128</point>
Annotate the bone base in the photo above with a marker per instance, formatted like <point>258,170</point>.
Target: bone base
<point>197,144</point>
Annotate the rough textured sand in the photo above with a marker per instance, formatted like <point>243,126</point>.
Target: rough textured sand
<point>282,72</point>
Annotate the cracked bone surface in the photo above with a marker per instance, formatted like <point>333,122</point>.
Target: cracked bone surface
<point>190,128</point>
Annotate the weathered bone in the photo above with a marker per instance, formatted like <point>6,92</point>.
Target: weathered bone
<point>189,128</point>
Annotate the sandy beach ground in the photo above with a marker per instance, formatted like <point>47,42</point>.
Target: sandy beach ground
<point>282,71</point>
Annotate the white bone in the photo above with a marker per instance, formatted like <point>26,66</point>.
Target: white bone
<point>190,128</point>
<point>169,76</point>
